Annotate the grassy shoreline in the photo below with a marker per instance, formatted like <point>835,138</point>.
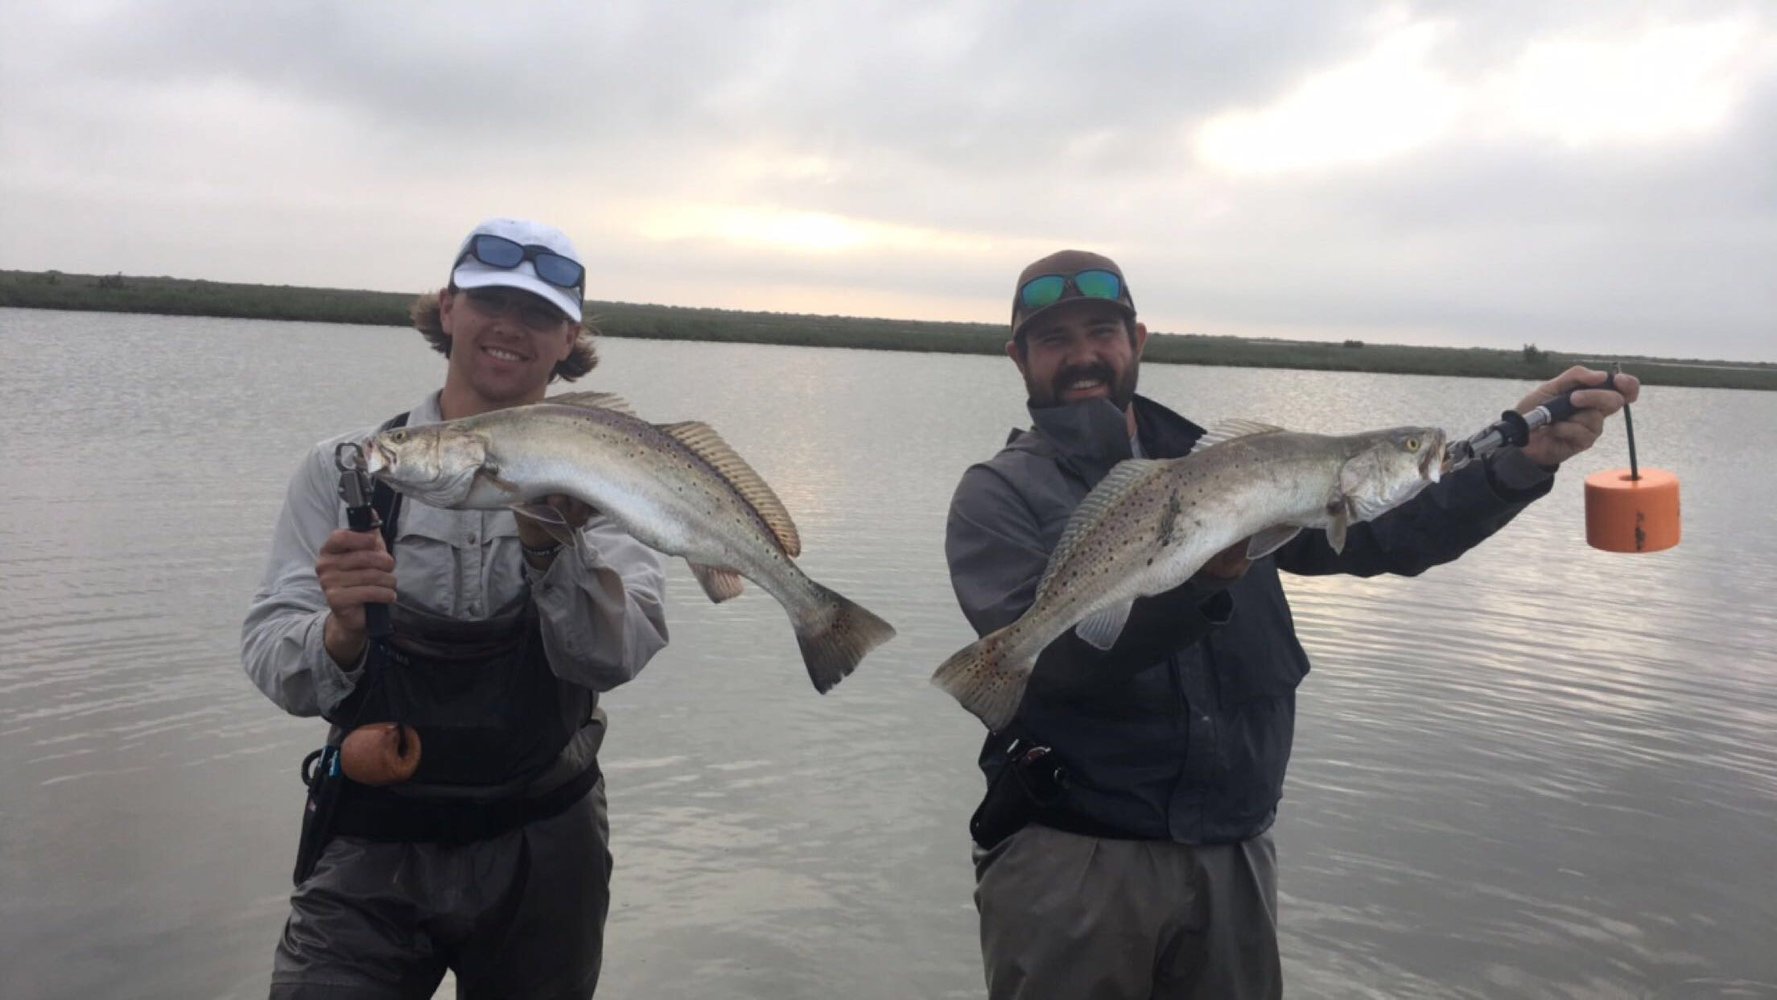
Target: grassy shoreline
<point>187,297</point>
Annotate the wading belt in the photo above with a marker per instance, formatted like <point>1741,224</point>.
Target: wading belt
<point>381,814</point>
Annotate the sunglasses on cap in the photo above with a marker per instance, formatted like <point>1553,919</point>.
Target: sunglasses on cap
<point>498,251</point>
<point>1047,289</point>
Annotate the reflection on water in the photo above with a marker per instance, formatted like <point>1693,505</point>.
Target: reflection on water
<point>1540,771</point>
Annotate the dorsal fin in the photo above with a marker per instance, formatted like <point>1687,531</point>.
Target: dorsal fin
<point>593,401</point>
<point>709,446</point>
<point>1229,430</point>
<point>1110,490</point>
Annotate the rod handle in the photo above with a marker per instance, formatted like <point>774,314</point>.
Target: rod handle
<point>376,616</point>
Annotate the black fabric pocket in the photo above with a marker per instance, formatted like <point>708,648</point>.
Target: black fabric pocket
<point>1031,780</point>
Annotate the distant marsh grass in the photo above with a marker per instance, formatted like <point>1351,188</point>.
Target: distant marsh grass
<point>183,297</point>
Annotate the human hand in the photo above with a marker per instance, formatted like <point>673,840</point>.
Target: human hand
<point>559,512</point>
<point>1552,444</point>
<point>354,569</point>
<point>1228,565</point>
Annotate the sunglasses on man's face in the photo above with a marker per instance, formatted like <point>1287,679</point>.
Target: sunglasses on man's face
<point>532,312</point>
<point>500,252</point>
<point>1048,289</point>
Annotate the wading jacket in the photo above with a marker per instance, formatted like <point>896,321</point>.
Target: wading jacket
<point>1182,730</point>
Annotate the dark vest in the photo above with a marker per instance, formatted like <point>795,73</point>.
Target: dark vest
<point>1194,747</point>
<point>493,720</point>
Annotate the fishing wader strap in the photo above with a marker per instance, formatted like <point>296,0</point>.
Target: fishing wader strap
<point>383,815</point>
<point>320,770</point>
<point>384,498</point>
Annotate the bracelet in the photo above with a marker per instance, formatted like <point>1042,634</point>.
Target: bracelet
<point>542,553</point>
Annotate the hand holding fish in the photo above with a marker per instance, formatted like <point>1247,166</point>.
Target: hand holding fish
<point>543,521</point>
<point>354,569</point>
<point>1552,444</point>
<point>1228,565</point>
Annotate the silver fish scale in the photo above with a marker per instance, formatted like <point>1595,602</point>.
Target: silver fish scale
<point>1151,533</point>
<point>665,494</point>
<point>1152,524</point>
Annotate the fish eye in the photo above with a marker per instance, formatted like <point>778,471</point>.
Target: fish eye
<point>396,437</point>
<point>1412,444</point>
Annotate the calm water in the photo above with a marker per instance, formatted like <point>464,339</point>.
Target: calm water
<point>1544,771</point>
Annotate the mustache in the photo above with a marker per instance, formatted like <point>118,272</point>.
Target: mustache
<point>1096,370</point>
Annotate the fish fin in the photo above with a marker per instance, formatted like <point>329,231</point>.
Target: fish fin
<point>1125,476</point>
<point>492,474</point>
<point>1270,540</point>
<point>593,401</point>
<point>1100,629</point>
<point>1229,430</point>
<point>549,519</point>
<point>979,678</point>
<point>837,637</point>
<point>718,584</point>
<point>1338,519</point>
<point>706,444</point>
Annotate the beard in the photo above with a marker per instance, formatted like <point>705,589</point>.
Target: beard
<point>1122,386</point>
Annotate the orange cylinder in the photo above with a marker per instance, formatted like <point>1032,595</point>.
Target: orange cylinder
<point>1632,515</point>
<point>381,753</point>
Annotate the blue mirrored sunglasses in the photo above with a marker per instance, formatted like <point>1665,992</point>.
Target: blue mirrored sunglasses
<point>1047,289</point>
<point>498,251</point>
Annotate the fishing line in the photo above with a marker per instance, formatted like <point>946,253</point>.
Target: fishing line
<point>1616,368</point>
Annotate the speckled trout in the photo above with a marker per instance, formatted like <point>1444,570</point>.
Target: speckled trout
<point>1151,524</point>
<point>677,488</point>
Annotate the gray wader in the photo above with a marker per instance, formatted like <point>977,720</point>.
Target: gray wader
<point>1066,916</point>
<point>493,861</point>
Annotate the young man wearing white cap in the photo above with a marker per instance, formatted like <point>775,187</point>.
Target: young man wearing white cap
<point>491,858</point>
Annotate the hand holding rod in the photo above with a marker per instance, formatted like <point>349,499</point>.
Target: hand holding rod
<point>356,490</point>
<point>1513,428</point>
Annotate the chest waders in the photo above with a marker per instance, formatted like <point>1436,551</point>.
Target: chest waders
<point>492,718</point>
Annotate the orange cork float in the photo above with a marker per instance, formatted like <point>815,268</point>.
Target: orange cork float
<point>1632,510</point>
<point>381,753</point>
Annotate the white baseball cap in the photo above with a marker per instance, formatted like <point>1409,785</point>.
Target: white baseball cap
<point>527,244</point>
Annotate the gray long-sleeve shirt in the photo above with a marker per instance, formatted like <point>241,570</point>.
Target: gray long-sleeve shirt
<point>600,602</point>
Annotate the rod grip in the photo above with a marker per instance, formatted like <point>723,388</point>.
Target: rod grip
<point>376,616</point>
<point>1561,407</point>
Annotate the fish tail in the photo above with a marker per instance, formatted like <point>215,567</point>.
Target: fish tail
<point>834,642</point>
<point>985,679</point>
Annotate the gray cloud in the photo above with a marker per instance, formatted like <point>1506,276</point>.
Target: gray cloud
<point>347,143</point>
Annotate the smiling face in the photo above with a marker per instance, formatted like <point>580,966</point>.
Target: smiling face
<point>505,344</point>
<point>1078,351</point>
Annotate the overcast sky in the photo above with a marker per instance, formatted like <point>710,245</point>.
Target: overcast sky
<point>1586,176</point>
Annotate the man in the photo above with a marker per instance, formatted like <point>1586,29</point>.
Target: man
<point>1122,849</point>
<point>491,859</point>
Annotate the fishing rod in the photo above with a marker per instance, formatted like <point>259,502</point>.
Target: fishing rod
<point>1627,510</point>
<point>1513,428</point>
<point>356,490</point>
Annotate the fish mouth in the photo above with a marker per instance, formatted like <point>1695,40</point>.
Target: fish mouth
<point>376,458</point>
